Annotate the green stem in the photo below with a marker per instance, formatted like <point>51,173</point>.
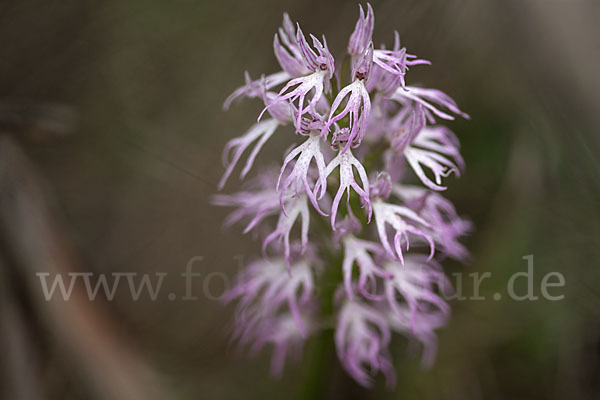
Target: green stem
<point>322,352</point>
<point>321,356</point>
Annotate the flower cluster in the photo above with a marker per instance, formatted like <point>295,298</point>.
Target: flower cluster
<point>361,130</point>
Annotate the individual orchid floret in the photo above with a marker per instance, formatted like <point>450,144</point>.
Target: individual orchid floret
<point>441,140</point>
<point>282,112</point>
<point>298,177</point>
<point>358,102</point>
<point>321,65</point>
<point>269,285</point>
<point>397,60</point>
<point>426,97</point>
<point>395,165</point>
<point>322,60</point>
<point>419,155</point>
<point>361,67</point>
<point>310,123</point>
<point>260,132</point>
<point>447,227</point>
<point>404,221</point>
<point>356,251</point>
<point>282,332</point>
<point>383,82</point>
<point>347,162</point>
<point>363,32</point>
<point>422,330</point>
<point>362,337</point>
<point>294,287</point>
<point>253,205</point>
<point>297,208</point>
<point>252,88</point>
<point>301,88</point>
<point>426,147</point>
<point>406,126</point>
<point>415,284</point>
<point>383,185</point>
<point>288,54</point>
<point>448,235</point>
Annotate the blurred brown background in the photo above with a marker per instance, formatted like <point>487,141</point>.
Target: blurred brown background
<point>139,86</point>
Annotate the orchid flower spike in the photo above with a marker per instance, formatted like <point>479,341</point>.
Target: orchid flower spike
<point>364,135</point>
<point>321,66</point>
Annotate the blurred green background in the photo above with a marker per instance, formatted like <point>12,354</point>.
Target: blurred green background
<point>131,184</point>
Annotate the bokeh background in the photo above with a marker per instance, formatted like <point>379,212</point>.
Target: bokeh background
<point>111,133</point>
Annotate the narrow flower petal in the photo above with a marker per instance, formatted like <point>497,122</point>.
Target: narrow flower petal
<point>346,162</point>
<point>363,31</point>
<point>356,251</point>
<point>441,140</point>
<point>416,281</point>
<point>288,53</point>
<point>254,206</point>
<point>252,88</point>
<point>358,106</point>
<point>322,60</point>
<point>297,208</point>
<point>296,90</point>
<point>260,131</point>
<point>426,97</point>
<point>274,306</point>
<point>400,219</point>
<point>297,179</point>
<point>447,227</point>
<point>362,337</point>
<point>419,310</point>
